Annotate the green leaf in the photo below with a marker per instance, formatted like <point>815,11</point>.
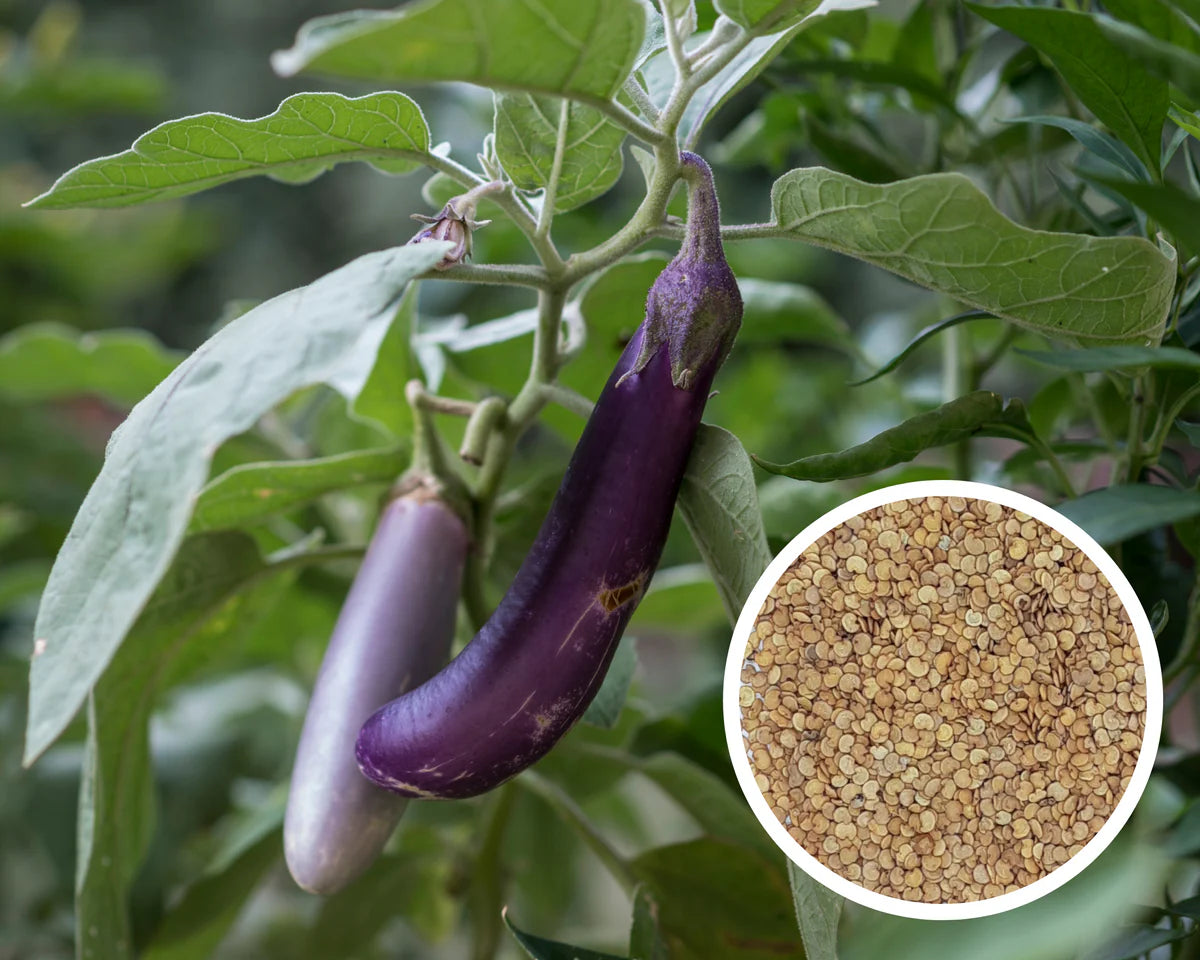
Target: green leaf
<point>134,517</point>
<point>581,51</point>
<point>818,910</point>
<point>720,900</point>
<point>926,333</point>
<point>539,948</point>
<point>195,927</point>
<point>942,232</point>
<point>1191,431</point>
<point>382,398</point>
<point>527,130</point>
<point>752,13</point>
<point>1127,98</point>
<point>1117,513</point>
<point>778,312</point>
<point>1097,142</point>
<point>1175,210</point>
<point>1095,359</point>
<point>1139,941</point>
<point>719,503</point>
<point>981,413</point>
<point>400,884</point>
<point>202,605</point>
<point>715,806</point>
<point>605,709</point>
<point>249,493</point>
<point>308,134</point>
<point>1169,61</point>
<point>41,362</point>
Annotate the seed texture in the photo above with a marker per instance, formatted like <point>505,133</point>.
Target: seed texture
<point>943,700</point>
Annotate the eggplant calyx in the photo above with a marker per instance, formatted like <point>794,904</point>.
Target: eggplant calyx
<point>694,306</point>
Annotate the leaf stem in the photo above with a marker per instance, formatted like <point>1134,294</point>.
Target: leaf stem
<point>546,216</point>
<point>509,274</point>
<point>641,99</point>
<point>683,69</point>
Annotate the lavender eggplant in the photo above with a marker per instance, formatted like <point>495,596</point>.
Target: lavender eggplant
<point>530,673</point>
<point>394,631</point>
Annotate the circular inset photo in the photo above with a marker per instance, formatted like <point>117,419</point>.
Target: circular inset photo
<point>942,700</point>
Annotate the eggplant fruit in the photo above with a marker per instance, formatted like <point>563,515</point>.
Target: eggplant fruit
<point>394,631</point>
<point>536,664</point>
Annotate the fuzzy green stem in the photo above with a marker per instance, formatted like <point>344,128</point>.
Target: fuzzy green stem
<point>641,99</point>
<point>508,274</point>
<point>486,420</point>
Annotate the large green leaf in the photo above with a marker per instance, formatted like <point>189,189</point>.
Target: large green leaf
<point>942,232</point>
<point>719,503</point>
<point>134,517</point>
<point>1169,61</point>
<point>981,413</point>
<point>580,50</point>
<point>50,362</point>
<point>308,134</point>
<point>1117,513</point>
<point>818,910</point>
<point>720,900</point>
<point>528,127</point>
<point>250,492</point>
<point>202,604</point>
<point>1122,93</point>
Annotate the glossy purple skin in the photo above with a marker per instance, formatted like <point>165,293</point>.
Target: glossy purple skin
<point>394,631</point>
<point>532,670</point>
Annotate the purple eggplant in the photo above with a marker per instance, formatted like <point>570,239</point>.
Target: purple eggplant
<point>534,667</point>
<point>394,631</point>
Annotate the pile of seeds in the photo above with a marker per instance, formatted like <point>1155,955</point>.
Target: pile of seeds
<point>943,700</point>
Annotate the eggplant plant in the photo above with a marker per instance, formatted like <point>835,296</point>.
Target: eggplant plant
<point>963,235</point>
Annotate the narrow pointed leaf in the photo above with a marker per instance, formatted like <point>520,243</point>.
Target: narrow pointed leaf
<point>981,413</point>
<point>921,336</point>
<point>1120,512</point>
<point>308,134</point>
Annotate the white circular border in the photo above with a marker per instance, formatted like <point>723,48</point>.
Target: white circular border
<point>733,715</point>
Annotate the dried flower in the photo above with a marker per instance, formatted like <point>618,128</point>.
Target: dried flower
<point>455,223</point>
